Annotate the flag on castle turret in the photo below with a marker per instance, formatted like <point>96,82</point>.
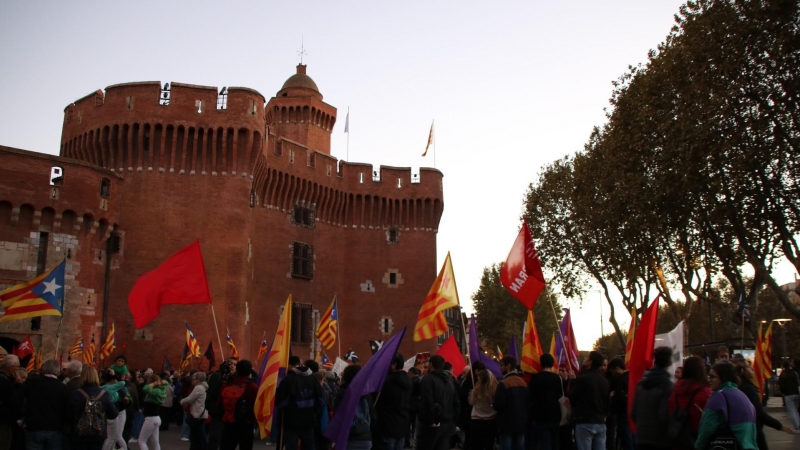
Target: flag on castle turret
<point>430,141</point>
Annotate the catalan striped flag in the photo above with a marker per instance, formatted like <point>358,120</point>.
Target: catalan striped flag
<point>88,354</point>
<point>631,335</point>
<point>234,352</point>
<point>31,366</point>
<point>110,344</point>
<point>329,325</point>
<point>185,357</point>
<point>262,349</point>
<point>531,347</point>
<point>77,347</point>
<point>39,296</point>
<point>443,295</point>
<point>38,359</point>
<point>194,347</point>
<point>762,366</point>
<point>274,370</point>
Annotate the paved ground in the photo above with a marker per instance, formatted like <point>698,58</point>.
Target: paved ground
<point>778,440</point>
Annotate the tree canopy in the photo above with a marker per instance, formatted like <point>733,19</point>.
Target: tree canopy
<point>694,178</point>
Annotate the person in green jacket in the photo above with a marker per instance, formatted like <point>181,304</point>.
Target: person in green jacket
<point>727,406</point>
<point>155,392</point>
<point>120,368</point>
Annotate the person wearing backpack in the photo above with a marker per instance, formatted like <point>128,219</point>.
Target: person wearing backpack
<point>298,400</point>
<point>238,399</point>
<point>686,403</point>
<point>93,408</point>
<point>360,436</point>
<point>729,415</point>
<point>650,410</point>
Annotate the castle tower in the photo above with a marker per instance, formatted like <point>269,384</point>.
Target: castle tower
<point>298,113</point>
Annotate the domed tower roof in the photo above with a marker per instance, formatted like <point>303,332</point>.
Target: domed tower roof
<point>300,85</point>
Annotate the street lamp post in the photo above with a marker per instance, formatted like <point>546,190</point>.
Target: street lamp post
<point>782,323</point>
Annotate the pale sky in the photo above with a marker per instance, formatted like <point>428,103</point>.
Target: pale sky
<point>511,85</point>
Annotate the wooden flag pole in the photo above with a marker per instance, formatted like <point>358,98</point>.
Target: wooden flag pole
<point>221,352</point>
<point>339,317</point>
<point>58,332</point>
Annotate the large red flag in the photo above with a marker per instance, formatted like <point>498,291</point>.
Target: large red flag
<point>180,280</point>
<point>522,273</point>
<point>452,354</point>
<point>642,353</point>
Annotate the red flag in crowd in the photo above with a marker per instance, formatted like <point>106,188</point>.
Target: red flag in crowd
<point>452,354</point>
<point>180,280</point>
<point>522,273</point>
<point>24,348</point>
<point>642,353</point>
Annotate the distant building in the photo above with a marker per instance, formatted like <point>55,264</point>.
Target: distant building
<point>146,169</point>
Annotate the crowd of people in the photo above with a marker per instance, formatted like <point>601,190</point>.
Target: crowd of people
<point>427,407</point>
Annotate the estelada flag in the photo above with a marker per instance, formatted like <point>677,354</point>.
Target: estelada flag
<point>443,295</point>
<point>274,370</point>
<point>31,366</point>
<point>88,354</point>
<point>262,350</point>
<point>531,347</point>
<point>522,273</point>
<point>39,296</point>
<point>77,347</point>
<point>191,342</point>
<point>234,352</point>
<point>642,353</point>
<point>180,280</point>
<point>185,356</point>
<point>329,325</point>
<point>24,348</point>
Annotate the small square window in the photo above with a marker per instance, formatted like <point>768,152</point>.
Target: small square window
<point>303,216</point>
<point>393,235</point>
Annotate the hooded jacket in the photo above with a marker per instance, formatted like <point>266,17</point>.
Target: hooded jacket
<point>299,397</point>
<point>438,399</point>
<point>650,410</point>
<point>392,407</point>
<point>115,390</point>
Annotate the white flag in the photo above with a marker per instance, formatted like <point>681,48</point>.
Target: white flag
<point>347,123</point>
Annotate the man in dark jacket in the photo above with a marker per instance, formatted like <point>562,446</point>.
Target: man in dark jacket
<point>544,391</point>
<point>392,407</point>
<point>589,399</point>
<point>413,407</point>
<point>213,404</point>
<point>438,408</point>
<point>299,401</point>
<point>48,409</point>
<point>510,402</point>
<point>619,402</point>
<point>650,410</point>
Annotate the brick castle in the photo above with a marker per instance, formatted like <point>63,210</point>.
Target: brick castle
<point>146,169</point>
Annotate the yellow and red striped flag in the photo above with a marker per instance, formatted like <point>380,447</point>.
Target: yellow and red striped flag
<point>110,344</point>
<point>39,357</point>
<point>631,334</point>
<point>278,359</point>
<point>88,355</point>
<point>430,141</point>
<point>531,347</point>
<point>762,366</point>
<point>194,347</point>
<point>329,325</point>
<point>262,350</point>
<point>234,352</point>
<point>443,295</point>
<point>77,347</point>
<point>31,366</point>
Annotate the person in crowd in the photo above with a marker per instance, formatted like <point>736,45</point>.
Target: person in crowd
<point>618,405</point>
<point>120,367</point>
<point>678,373</point>
<point>691,392</point>
<point>510,402</point>
<point>392,406</point>
<point>650,410</point>
<point>237,429</point>
<point>727,406</point>
<point>312,365</point>
<point>299,398</point>
<point>320,441</point>
<point>119,396</point>
<point>155,392</point>
<point>197,414</point>
<point>73,371</point>
<point>89,389</point>
<point>8,377</point>
<point>565,431</point>
<point>465,412</point>
<point>589,397</point>
<point>47,411</point>
<point>438,407</point>
<point>483,426</point>
<point>723,354</point>
<point>544,410</point>
<point>745,374</point>
<point>789,384</point>
<point>186,386</point>
<point>413,407</point>
<point>227,370</point>
<point>131,410</point>
<point>165,411</point>
<point>360,436</point>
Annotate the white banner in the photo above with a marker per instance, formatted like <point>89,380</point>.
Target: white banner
<point>673,340</point>
<point>339,365</point>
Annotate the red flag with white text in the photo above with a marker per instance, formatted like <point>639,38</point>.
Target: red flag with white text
<point>522,273</point>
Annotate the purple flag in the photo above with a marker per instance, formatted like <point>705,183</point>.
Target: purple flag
<point>475,353</point>
<point>367,380</point>
<point>512,348</point>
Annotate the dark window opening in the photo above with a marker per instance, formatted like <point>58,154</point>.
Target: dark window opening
<point>392,278</point>
<point>394,235</point>
<point>302,260</point>
<point>302,216</point>
<point>387,326</point>
<point>36,325</point>
<point>41,257</point>
<point>105,187</point>
<point>302,323</point>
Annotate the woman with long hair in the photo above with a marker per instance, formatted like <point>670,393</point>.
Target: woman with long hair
<point>746,385</point>
<point>691,391</point>
<point>728,409</point>
<point>482,420</point>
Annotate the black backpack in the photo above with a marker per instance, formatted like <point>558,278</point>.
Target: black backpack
<point>92,422</point>
<point>679,432</point>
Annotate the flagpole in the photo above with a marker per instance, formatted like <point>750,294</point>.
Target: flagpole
<point>433,123</point>
<point>338,313</point>
<point>455,285</point>
<point>348,134</point>
<point>58,332</point>
<point>221,352</point>
<point>741,345</point>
